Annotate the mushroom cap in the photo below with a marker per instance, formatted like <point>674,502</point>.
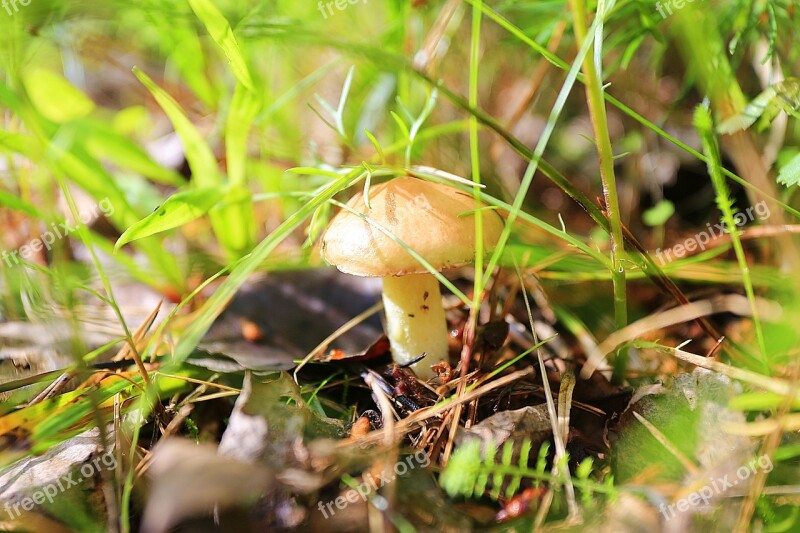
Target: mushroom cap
<point>421,214</point>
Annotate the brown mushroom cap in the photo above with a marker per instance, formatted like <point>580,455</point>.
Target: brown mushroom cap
<point>421,214</point>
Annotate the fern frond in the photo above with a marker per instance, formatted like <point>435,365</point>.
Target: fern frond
<point>474,472</point>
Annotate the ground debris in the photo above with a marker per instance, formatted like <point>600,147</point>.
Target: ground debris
<point>64,484</point>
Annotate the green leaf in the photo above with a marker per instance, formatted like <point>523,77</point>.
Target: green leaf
<point>416,125</point>
<point>189,59</point>
<point>783,96</point>
<point>55,97</point>
<point>400,124</point>
<point>705,128</point>
<point>241,270</point>
<point>377,146</point>
<point>319,221</point>
<point>64,414</point>
<point>245,105</point>
<point>179,209</point>
<point>790,172</point>
<point>181,48</point>
<point>659,213</point>
<point>584,468</point>
<point>237,217</point>
<point>461,472</point>
<point>92,177</point>
<point>102,141</point>
<point>314,171</point>
<point>25,145</point>
<point>16,203</point>
<point>220,30</point>
<point>131,119</point>
<point>205,171</point>
<point>235,214</point>
<point>759,401</point>
<point>65,156</point>
<point>522,461</point>
<point>755,109</point>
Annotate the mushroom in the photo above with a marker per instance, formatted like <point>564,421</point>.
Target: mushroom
<point>433,220</point>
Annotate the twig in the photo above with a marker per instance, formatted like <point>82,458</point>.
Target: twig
<point>771,444</point>
<point>418,417</point>
<point>732,303</point>
<point>778,386</point>
<point>54,388</point>
<point>558,439</point>
<point>388,439</point>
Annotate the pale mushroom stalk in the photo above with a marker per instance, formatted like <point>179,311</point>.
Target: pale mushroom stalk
<point>429,218</point>
<point>415,321</point>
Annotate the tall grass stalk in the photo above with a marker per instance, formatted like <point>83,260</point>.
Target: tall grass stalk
<point>597,111</point>
<point>479,284</point>
<point>704,124</point>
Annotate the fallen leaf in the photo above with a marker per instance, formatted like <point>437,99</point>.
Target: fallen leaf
<point>190,479</point>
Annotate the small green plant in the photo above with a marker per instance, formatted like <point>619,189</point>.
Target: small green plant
<point>473,473</point>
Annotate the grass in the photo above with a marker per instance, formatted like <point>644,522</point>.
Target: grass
<point>93,95</point>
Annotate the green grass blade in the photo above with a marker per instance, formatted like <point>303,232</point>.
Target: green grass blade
<point>180,208</point>
<point>705,128</point>
<point>247,265</point>
<point>205,171</point>
<point>102,142</point>
<point>237,215</point>
<point>55,97</point>
<point>538,152</point>
<point>220,30</point>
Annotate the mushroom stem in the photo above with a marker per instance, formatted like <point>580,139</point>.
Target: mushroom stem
<point>415,321</point>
